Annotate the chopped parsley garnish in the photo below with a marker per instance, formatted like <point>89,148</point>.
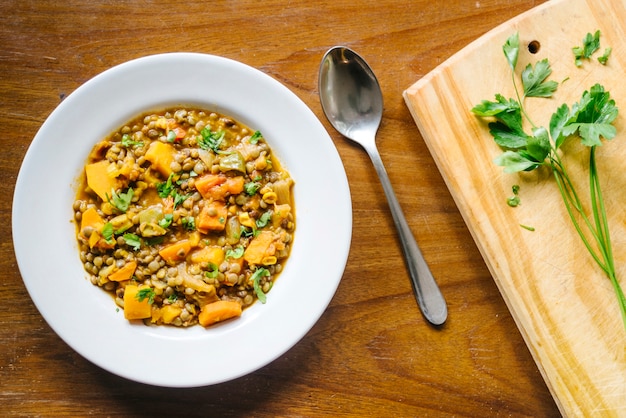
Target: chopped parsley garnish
<point>254,139</point>
<point>256,282</point>
<point>146,293</point>
<point>121,201</point>
<point>212,271</point>
<point>264,219</point>
<point>251,187</point>
<point>128,142</point>
<point>166,221</point>
<point>179,198</point>
<point>210,140</point>
<point>236,252</point>
<point>132,240</point>
<point>165,189</point>
<point>108,233</point>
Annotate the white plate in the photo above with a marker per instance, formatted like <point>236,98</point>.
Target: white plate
<point>85,317</point>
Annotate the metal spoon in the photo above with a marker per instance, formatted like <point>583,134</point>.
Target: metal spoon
<point>353,103</point>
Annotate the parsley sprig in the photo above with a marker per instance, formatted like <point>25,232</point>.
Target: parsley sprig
<point>590,119</point>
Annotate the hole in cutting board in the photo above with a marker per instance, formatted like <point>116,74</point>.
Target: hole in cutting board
<point>533,47</point>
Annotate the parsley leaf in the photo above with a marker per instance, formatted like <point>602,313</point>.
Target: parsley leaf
<point>508,131</point>
<point>256,282</point>
<point>254,139</point>
<point>534,82</point>
<point>511,50</point>
<point>121,201</point>
<point>591,43</point>
<point>107,232</point>
<point>132,240</point>
<point>605,57</point>
<point>146,292</point>
<point>165,189</point>
<point>128,142</point>
<point>212,272</point>
<point>179,198</point>
<point>264,219</point>
<point>251,187</point>
<point>237,252</point>
<point>166,221</point>
<point>209,140</point>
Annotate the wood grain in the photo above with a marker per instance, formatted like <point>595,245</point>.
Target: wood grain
<point>561,301</point>
<point>372,353</point>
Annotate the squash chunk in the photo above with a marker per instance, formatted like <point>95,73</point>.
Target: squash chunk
<point>100,179</point>
<point>161,157</point>
<point>125,273</point>
<point>133,308</point>
<point>260,247</point>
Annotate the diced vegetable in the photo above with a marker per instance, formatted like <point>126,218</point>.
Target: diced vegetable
<point>133,307</point>
<point>260,247</point>
<point>219,186</point>
<point>90,221</point>
<point>175,253</point>
<point>205,183</point>
<point>100,178</point>
<point>168,313</point>
<point>212,217</point>
<point>161,156</point>
<point>124,273</point>
<point>219,311</point>
<point>213,254</point>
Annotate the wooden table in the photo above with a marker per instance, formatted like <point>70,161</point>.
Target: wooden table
<point>372,353</point>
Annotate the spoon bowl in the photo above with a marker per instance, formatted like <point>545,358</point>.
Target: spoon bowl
<point>352,101</point>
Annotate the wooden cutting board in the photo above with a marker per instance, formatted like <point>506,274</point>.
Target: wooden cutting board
<point>563,304</point>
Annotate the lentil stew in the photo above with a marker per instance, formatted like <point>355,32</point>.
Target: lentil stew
<point>185,216</point>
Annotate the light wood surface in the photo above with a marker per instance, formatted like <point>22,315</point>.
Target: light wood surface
<point>372,353</point>
<point>563,303</point>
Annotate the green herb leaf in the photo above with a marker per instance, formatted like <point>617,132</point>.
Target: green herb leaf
<point>591,43</point>
<point>236,252</point>
<point>251,187</point>
<point>128,142</point>
<point>165,189</point>
<point>146,292</point>
<point>108,232</point>
<point>121,201</point>
<point>514,161</point>
<point>255,137</point>
<point>605,57</point>
<point>256,279</point>
<point>212,272</point>
<point>132,240</point>
<point>533,80</point>
<point>209,140</point>
<point>264,219</point>
<point>166,221</point>
<point>511,50</point>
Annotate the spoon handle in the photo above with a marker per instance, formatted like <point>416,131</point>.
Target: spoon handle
<point>429,297</point>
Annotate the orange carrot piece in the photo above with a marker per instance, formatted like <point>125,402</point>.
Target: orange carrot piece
<point>212,217</point>
<point>218,311</point>
<point>175,253</point>
<point>205,183</point>
<point>125,273</point>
